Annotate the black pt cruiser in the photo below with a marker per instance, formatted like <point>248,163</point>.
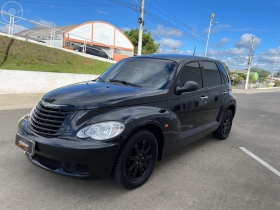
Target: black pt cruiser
<point>120,124</point>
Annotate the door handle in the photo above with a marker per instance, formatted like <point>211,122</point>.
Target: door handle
<point>225,92</point>
<point>204,97</point>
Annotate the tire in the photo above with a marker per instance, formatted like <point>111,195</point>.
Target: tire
<point>223,130</point>
<point>136,163</point>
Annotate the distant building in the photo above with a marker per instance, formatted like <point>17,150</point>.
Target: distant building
<point>95,33</point>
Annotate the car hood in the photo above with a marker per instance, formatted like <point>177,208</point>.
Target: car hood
<point>92,95</point>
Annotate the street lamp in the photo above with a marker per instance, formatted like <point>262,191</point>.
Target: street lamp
<point>211,24</point>
<point>277,51</point>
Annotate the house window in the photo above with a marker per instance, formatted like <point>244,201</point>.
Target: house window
<point>123,52</point>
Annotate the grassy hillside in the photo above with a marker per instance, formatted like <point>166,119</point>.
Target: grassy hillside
<point>22,55</point>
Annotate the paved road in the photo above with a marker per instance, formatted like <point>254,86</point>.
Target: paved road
<point>207,174</point>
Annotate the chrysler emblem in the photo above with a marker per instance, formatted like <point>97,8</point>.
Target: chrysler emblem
<point>47,104</point>
<point>49,100</point>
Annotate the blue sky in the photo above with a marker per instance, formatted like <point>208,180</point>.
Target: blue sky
<point>178,24</point>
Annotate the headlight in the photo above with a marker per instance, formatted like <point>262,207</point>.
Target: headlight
<point>101,131</point>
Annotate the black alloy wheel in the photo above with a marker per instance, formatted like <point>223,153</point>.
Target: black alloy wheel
<point>136,160</point>
<point>223,130</point>
<point>227,124</point>
<point>139,160</point>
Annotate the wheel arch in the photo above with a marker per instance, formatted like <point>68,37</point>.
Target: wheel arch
<point>155,129</point>
<point>232,109</point>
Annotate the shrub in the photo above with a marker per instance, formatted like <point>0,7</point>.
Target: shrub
<point>277,83</point>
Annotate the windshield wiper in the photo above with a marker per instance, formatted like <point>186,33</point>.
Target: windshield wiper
<point>124,82</point>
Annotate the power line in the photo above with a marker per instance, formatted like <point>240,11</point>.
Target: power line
<point>178,20</point>
<point>66,3</point>
<point>200,43</point>
<point>164,22</point>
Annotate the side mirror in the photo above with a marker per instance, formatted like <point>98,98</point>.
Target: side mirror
<point>187,87</point>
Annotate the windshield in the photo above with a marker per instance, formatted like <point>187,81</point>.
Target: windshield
<point>145,72</point>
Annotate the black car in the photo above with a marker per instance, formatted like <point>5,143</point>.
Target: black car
<point>92,51</point>
<point>120,124</point>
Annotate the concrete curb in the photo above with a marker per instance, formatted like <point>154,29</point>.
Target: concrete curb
<point>268,88</point>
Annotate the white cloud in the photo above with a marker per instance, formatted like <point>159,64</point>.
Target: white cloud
<point>228,27</point>
<point>225,27</point>
<point>162,31</point>
<point>223,41</point>
<point>170,43</point>
<point>17,29</point>
<point>99,11</point>
<point>246,39</point>
<point>194,33</point>
<point>187,52</point>
<point>269,56</point>
<point>235,58</point>
<point>165,51</point>
<point>230,52</point>
<point>124,29</point>
<point>238,59</point>
<point>171,51</point>
<point>44,23</point>
<point>212,31</point>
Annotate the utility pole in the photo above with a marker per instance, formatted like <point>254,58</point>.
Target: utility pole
<point>274,67</point>
<point>141,22</point>
<point>175,49</point>
<point>194,50</point>
<point>249,62</point>
<point>209,29</point>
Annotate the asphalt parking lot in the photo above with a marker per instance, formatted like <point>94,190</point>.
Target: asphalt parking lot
<point>208,174</point>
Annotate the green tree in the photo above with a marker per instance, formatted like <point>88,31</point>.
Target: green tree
<point>244,76</point>
<point>254,69</point>
<point>277,74</point>
<point>263,73</point>
<point>277,83</point>
<point>252,79</point>
<point>241,77</point>
<point>237,79</point>
<point>149,46</point>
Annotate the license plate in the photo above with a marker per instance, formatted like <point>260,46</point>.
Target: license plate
<point>25,144</point>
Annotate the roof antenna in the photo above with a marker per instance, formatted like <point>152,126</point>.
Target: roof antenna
<point>194,50</point>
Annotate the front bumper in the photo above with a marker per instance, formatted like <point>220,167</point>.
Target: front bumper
<point>71,157</point>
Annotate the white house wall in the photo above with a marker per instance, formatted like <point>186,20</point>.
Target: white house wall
<point>122,41</point>
<point>103,33</point>
<point>82,32</point>
<point>57,43</point>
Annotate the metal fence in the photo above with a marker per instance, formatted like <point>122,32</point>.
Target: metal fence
<point>251,85</point>
<point>53,36</point>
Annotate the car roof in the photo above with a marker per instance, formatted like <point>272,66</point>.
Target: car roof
<point>176,57</point>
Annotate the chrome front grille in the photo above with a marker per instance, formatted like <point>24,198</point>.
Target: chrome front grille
<point>49,121</point>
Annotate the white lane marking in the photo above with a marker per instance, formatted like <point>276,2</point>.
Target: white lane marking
<point>260,161</point>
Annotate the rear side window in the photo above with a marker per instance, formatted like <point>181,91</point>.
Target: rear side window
<point>224,72</point>
<point>89,50</point>
<point>211,74</point>
<point>191,72</point>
